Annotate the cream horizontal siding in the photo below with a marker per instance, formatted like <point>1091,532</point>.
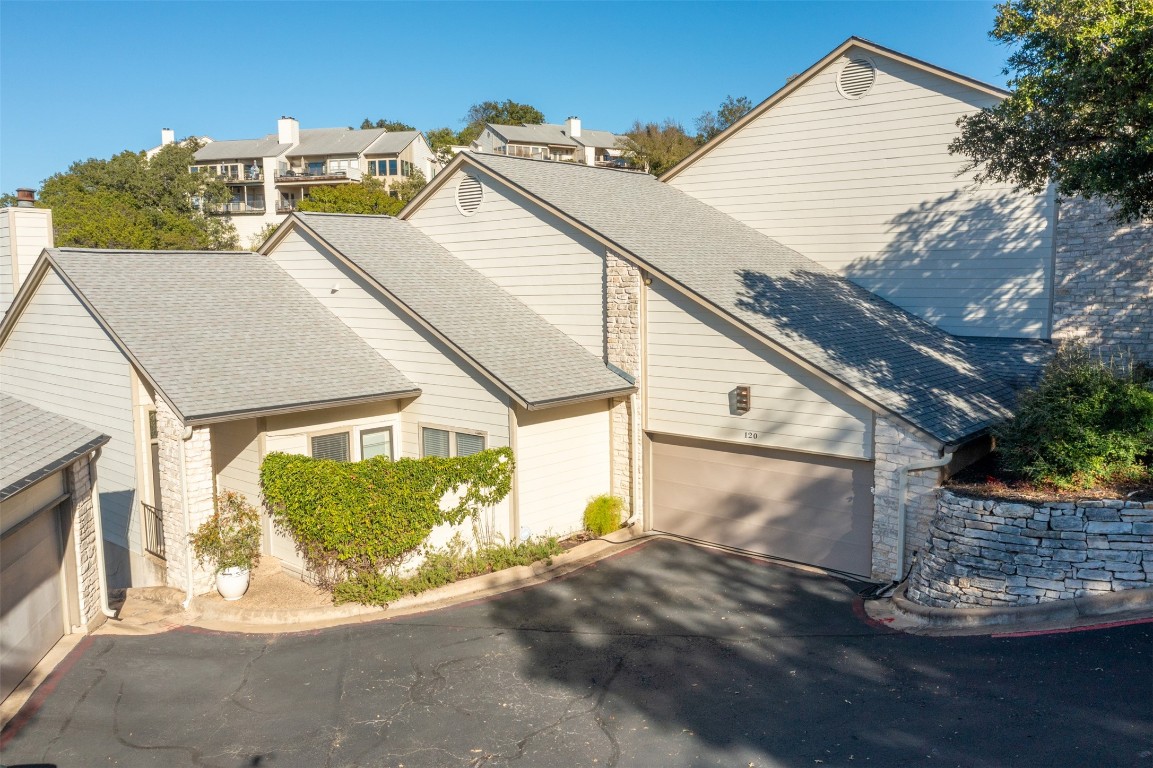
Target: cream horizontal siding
<point>694,359</point>
<point>59,359</point>
<point>455,394</point>
<point>236,458</point>
<point>563,460</point>
<point>7,281</point>
<point>868,188</point>
<point>555,270</point>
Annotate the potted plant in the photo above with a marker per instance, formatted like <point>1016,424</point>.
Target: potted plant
<point>230,540</point>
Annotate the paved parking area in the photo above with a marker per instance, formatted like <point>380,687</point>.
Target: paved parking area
<point>666,655</point>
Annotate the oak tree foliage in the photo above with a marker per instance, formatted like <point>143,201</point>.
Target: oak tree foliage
<point>656,147</point>
<point>1081,110</point>
<point>132,201</point>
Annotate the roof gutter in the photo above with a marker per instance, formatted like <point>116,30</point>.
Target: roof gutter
<point>216,418</point>
<point>603,395</point>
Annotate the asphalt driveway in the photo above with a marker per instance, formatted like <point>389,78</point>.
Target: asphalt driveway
<point>667,655</point>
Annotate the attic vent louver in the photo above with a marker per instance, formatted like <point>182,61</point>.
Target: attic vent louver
<point>469,195</point>
<point>856,78</point>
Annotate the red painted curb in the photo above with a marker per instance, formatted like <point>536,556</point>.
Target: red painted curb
<point>1067,630</point>
<point>36,700</point>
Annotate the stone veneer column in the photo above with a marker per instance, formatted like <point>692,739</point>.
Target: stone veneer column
<point>623,349</point>
<point>84,525</point>
<point>897,445</point>
<point>200,491</point>
<point>1103,282</point>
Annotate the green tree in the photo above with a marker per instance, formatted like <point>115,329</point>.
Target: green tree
<point>507,112</point>
<point>131,201</point>
<point>709,124</point>
<point>388,125</point>
<point>657,147</point>
<point>408,188</point>
<point>440,141</point>
<point>1081,111</point>
<point>368,196</point>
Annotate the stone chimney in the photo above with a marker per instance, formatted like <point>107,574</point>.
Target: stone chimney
<point>167,136</point>
<point>573,127</point>
<point>288,130</point>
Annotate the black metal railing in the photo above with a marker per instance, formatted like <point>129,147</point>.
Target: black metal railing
<point>153,531</point>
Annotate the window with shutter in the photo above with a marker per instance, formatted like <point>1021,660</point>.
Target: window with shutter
<point>434,442</point>
<point>333,446</point>
<point>467,445</point>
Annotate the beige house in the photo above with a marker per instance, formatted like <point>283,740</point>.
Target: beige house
<point>50,560</point>
<point>781,347</point>
<point>337,342</point>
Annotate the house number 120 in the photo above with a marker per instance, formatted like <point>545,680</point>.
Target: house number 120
<point>750,435</point>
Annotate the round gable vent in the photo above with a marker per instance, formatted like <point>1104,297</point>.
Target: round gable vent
<point>469,195</point>
<point>856,78</point>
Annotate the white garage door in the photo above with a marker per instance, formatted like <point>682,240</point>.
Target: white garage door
<point>810,509</point>
<point>31,613</point>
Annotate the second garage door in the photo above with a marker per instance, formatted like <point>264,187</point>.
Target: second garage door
<point>810,509</point>
<point>31,613</point>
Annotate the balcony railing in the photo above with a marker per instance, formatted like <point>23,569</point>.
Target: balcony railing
<point>291,175</point>
<point>153,531</point>
<point>286,206</point>
<point>236,207</point>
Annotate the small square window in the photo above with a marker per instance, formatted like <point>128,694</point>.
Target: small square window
<point>376,442</point>
<point>333,446</point>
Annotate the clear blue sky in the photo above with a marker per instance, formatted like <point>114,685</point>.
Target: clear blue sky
<point>89,79</point>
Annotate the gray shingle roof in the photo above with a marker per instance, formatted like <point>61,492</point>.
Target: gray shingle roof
<point>546,133</point>
<point>391,142</point>
<point>905,365</point>
<point>516,346</point>
<point>241,149</point>
<point>37,443</point>
<point>335,141</point>
<point>598,138</point>
<point>227,333</point>
<point>1018,361</point>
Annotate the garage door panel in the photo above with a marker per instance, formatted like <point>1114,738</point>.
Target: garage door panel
<point>808,508</point>
<point>31,612</point>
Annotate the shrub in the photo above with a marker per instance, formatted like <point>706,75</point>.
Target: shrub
<point>1088,420</point>
<point>603,514</point>
<point>231,537</point>
<point>443,566</point>
<point>358,520</point>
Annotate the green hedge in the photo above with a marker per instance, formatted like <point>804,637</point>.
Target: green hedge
<point>354,519</point>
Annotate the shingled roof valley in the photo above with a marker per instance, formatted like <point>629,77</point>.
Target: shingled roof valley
<point>904,364</point>
<point>227,334</point>
<point>506,339</point>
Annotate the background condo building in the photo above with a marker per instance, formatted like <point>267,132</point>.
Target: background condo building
<point>547,141</point>
<point>269,176</point>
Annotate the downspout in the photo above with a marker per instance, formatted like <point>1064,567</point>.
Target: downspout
<point>101,573</point>
<point>902,484</point>
<point>635,442</point>
<point>185,437</point>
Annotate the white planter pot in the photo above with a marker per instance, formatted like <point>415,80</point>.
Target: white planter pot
<point>232,583</point>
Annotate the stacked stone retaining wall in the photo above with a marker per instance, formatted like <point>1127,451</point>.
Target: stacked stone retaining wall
<point>984,552</point>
